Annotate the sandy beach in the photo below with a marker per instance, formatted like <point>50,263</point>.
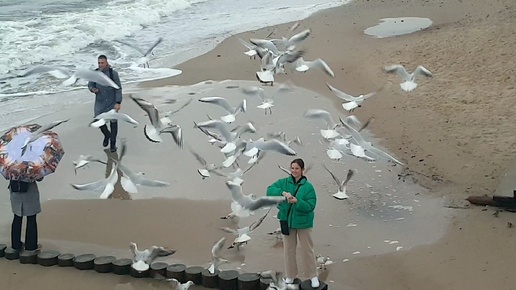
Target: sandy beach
<point>453,133</point>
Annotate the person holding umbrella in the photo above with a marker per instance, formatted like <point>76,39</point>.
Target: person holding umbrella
<point>24,163</point>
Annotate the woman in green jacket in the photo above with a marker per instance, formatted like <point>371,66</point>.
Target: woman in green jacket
<point>296,215</point>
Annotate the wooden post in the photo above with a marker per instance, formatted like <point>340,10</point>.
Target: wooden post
<point>2,250</point>
<point>193,274</point>
<point>122,266</point>
<point>84,262</point>
<point>28,257</point>
<point>158,268</point>
<point>177,271</point>
<point>48,258</point>
<point>65,260</point>
<point>104,264</point>
<point>210,280</point>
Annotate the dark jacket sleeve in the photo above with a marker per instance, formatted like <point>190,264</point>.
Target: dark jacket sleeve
<point>118,92</point>
<point>91,85</point>
<point>308,203</point>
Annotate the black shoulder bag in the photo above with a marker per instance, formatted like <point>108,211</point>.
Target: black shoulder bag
<point>18,186</point>
<point>284,224</point>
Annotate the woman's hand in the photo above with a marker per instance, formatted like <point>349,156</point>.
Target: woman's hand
<point>292,199</point>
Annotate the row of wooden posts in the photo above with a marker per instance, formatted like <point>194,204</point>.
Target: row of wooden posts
<point>224,280</point>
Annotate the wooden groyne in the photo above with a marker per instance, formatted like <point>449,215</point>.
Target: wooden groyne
<point>223,280</point>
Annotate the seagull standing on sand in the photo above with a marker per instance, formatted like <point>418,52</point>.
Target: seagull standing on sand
<point>323,261</point>
<point>216,260</point>
<point>143,259</point>
<point>102,118</point>
<point>232,111</point>
<point>158,125</point>
<point>409,83</point>
<point>39,133</point>
<point>341,186</point>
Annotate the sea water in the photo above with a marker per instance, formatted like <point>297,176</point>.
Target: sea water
<point>72,33</point>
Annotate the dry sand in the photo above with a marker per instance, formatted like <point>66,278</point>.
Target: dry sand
<point>458,124</point>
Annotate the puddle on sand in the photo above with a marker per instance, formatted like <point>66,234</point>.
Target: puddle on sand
<point>398,26</point>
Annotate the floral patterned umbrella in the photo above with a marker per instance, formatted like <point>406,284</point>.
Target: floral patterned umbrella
<point>40,159</point>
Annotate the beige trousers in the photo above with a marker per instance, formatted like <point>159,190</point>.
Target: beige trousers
<point>307,253</point>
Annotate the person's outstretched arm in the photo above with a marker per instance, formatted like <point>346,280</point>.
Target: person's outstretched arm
<point>276,188</point>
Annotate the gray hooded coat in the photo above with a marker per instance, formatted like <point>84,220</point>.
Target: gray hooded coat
<point>106,97</point>
<point>26,203</point>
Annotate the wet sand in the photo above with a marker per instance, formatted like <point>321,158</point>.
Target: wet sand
<point>430,129</point>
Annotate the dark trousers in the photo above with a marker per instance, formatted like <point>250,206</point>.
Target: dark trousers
<point>110,134</point>
<point>31,233</point>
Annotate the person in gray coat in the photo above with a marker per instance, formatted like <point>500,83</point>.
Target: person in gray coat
<point>106,99</point>
<point>24,202</point>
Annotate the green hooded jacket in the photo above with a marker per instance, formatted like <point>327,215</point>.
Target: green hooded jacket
<point>301,215</point>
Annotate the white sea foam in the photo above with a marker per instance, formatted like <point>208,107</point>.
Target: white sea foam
<point>73,38</point>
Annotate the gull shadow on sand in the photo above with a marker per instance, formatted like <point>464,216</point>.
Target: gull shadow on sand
<point>118,192</point>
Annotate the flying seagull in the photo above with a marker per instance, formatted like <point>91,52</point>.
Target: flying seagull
<point>83,160</point>
<point>341,186</point>
<point>61,72</point>
<point>158,125</point>
<point>409,83</point>
<point>250,202</point>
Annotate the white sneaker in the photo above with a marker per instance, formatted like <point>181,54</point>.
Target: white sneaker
<point>314,282</point>
<point>289,280</point>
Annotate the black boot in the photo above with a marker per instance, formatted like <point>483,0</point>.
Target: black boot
<point>107,135</point>
<point>114,132</point>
